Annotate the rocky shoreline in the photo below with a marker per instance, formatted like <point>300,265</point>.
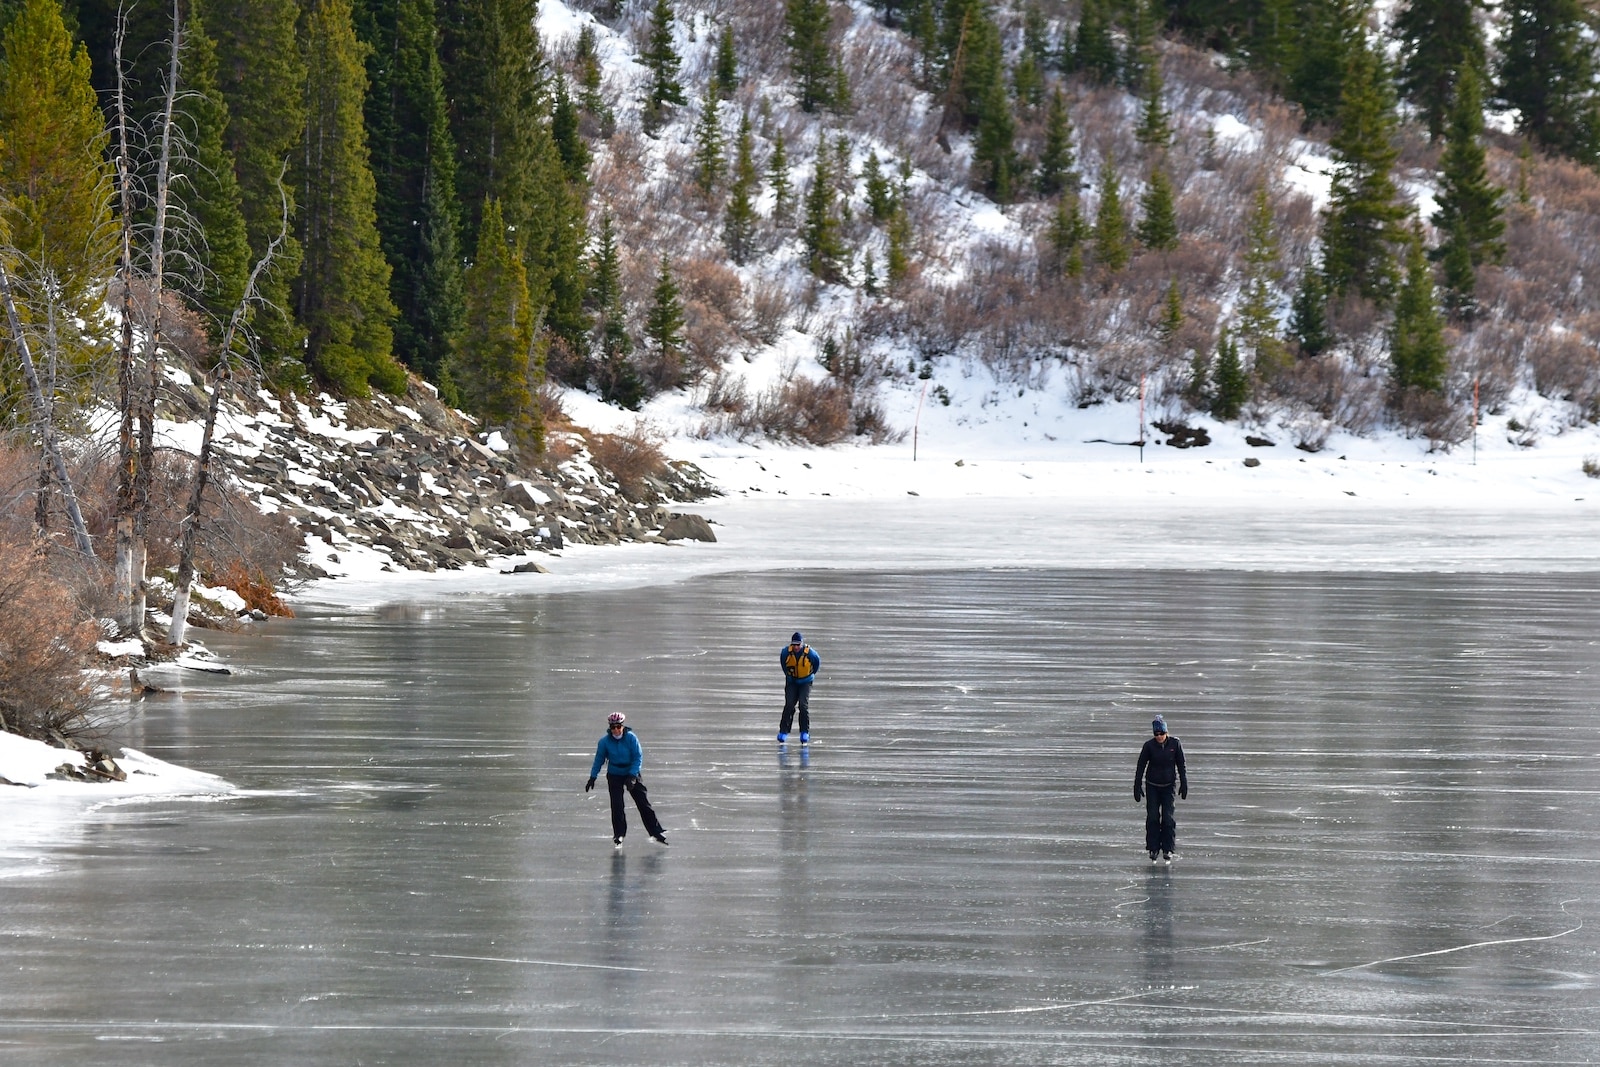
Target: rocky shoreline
<point>416,481</point>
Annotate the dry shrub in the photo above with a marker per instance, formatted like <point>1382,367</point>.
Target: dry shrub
<point>45,643</point>
<point>254,587</point>
<point>800,409</point>
<point>1491,356</point>
<point>1423,413</point>
<point>630,458</point>
<point>713,312</point>
<point>1565,366</point>
<point>1339,390</point>
<point>771,304</point>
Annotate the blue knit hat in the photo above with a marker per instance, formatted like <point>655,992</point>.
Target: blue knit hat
<point>797,639</point>
<point>1158,725</point>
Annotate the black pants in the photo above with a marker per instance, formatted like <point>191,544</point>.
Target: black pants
<point>796,694</point>
<point>1160,825</point>
<point>616,783</point>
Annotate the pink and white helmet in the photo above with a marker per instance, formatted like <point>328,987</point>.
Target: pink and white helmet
<point>616,718</point>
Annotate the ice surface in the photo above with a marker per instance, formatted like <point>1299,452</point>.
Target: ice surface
<point>1387,855</point>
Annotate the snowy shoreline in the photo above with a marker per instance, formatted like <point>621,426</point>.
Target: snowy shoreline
<point>1003,494</point>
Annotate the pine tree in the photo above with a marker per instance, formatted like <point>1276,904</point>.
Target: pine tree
<point>1056,160</point>
<point>1439,42</point>
<point>343,296</point>
<point>1258,320</point>
<point>1272,45</point>
<point>1155,125</point>
<point>1065,236</point>
<point>554,237</point>
<point>414,167</point>
<point>1469,213</point>
<point>810,55</point>
<point>880,190</point>
<point>994,143</point>
<point>1230,383</point>
<point>261,73</point>
<point>1027,80</point>
<point>660,58</point>
<point>778,178</point>
<point>55,186</point>
<point>1093,53</point>
<point>922,26</point>
<point>1139,55</point>
<point>494,76</point>
<point>1158,229</point>
<point>564,131</point>
<point>586,57</point>
<point>1036,36</point>
<point>708,161</point>
<point>739,220</point>
<point>494,363</point>
<point>212,200</point>
<point>1418,355</point>
<point>725,68</point>
<point>1328,32</point>
<point>663,327</point>
<point>1460,276</point>
<point>1111,249</point>
<point>612,344</point>
<point>1171,320</point>
<point>1197,391</point>
<point>1308,315</point>
<point>897,265</point>
<point>1362,224</point>
<point>820,232</point>
<point>1547,72</point>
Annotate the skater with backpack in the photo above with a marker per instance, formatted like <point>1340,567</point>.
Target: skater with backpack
<point>800,664</point>
<point>1159,773</point>
<point>621,754</point>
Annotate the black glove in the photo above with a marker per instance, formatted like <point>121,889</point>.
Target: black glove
<point>589,787</point>
<point>1138,795</point>
<point>631,781</point>
<point>1183,791</point>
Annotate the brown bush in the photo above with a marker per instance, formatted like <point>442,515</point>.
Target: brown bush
<point>254,587</point>
<point>800,409</point>
<point>630,458</point>
<point>45,644</point>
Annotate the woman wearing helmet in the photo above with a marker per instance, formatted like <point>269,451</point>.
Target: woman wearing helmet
<point>620,753</point>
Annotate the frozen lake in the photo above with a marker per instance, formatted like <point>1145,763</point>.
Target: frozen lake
<point>1388,855</point>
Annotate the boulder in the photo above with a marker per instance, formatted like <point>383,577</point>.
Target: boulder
<point>687,526</point>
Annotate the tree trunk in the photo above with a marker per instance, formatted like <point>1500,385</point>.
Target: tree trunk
<point>147,402</point>
<point>42,411</point>
<point>202,474</point>
<point>127,457</point>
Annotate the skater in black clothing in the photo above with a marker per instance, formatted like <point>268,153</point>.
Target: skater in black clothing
<point>1160,771</point>
<point>620,753</point>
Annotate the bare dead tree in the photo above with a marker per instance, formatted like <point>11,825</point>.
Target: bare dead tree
<point>127,456</point>
<point>43,415</point>
<point>139,588</point>
<point>202,475</point>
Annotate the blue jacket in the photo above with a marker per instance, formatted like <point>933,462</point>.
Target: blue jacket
<point>624,753</point>
<point>800,666</point>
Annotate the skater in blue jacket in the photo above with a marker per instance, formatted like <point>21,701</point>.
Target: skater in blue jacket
<point>800,664</point>
<point>623,757</point>
<point>1159,773</point>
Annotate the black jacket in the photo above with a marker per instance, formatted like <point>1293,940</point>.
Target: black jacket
<point>1161,764</point>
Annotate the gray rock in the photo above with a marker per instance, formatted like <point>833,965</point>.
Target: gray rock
<point>687,526</point>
